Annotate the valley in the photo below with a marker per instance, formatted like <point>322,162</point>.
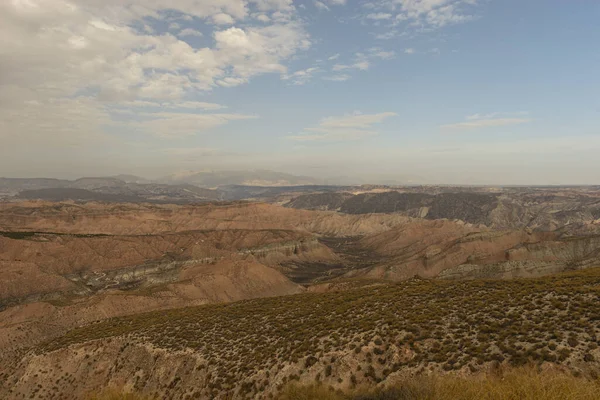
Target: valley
<point>96,279</point>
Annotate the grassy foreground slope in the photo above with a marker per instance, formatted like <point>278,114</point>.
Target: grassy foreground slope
<point>509,384</point>
<point>364,336</point>
<point>524,383</point>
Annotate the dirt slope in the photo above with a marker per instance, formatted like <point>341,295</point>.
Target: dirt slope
<point>251,349</point>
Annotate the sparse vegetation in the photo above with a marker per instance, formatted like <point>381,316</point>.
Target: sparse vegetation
<point>525,383</point>
<point>414,327</point>
<point>116,394</point>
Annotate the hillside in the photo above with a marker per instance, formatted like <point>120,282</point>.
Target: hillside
<point>211,179</point>
<point>95,189</point>
<point>546,209</point>
<point>67,265</point>
<point>367,335</point>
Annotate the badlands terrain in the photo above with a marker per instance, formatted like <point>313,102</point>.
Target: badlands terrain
<point>236,291</point>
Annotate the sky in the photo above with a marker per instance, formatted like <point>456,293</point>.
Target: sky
<point>420,91</point>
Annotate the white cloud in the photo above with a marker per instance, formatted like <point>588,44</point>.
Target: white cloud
<point>301,77</point>
<point>75,63</point>
<point>494,115</point>
<point>334,57</point>
<point>340,67</point>
<point>362,61</point>
<point>382,54</point>
<point>189,32</point>
<point>349,127</point>
<point>387,35</point>
<point>338,78</point>
<point>409,50</point>
<point>496,119</point>
<point>433,13</point>
<point>181,124</point>
<point>361,64</point>
<point>198,105</point>
<point>263,18</point>
<point>223,19</point>
<point>378,16</point>
<point>50,123</point>
<point>321,6</point>
<point>191,151</point>
<point>419,15</point>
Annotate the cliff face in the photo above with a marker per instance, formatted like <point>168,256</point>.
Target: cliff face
<point>46,266</point>
<point>507,209</point>
<point>71,264</point>
<point>534,259</point>
<point>453,249</point>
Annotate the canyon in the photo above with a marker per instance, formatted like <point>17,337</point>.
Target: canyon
<point>70,264</point>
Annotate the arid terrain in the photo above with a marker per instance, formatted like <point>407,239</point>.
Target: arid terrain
<point>344,286</point>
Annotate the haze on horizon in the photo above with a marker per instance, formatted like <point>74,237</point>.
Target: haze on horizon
<point>431,91</point>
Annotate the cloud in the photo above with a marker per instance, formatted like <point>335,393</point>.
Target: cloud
<point>181,124</point>
<point>497,119</point>
<point>415,16</point>
<point>263,18</point>
<point>222,19</point>
<point>387,35</point>
<point>349,127</point>
<point>494,115</point>
<point>321,6</point>
<point>378,16</point>
<point>338,78</point>
<point>192,151</point>
<point>433,13</point>
<point>58,123</point>
<point>189,32</point>
<point>409,50</point>
<point>362,62</point>
<point>334,57</point>
<point>301,77</point>
<point>197,105</point>
<point>75,64</point>
<point>376,52</point>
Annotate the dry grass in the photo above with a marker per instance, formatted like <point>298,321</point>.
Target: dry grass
<point>526,383</point>
<point>117,394</point>
<point>254,347</point>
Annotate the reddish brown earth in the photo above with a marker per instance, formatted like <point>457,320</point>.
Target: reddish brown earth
<point>67,264</point>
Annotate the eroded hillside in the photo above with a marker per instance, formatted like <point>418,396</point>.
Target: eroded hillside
<point>501,208</point>
<point>370,335</point>
<point>66,265</point>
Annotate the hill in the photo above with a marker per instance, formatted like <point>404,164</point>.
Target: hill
<point>212,179</point>
<point>499,208</point>
<point>367,335</point>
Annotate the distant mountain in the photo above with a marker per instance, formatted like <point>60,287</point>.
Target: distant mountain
<point>131,178</point>
<point>266,193</point>
<point>507,209</point>
<point>110,189</point>
<point>97,183</point>
<point>62,194</point>
<point>31,183</point>
<point>213,179</point>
